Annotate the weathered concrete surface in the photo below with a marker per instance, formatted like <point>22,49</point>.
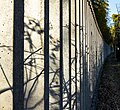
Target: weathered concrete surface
<point>89,50</point>
<point>34,28</point>
<point>6,43</point>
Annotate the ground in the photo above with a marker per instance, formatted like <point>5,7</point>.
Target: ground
<point>109,88</point>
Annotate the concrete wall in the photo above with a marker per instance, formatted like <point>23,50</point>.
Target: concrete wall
<point>91,51</point>
<point>6,47</point>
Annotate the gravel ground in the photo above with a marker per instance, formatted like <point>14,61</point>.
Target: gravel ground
<point>109,89</point>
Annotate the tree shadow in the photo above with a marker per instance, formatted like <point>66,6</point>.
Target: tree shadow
<point>34,71</point>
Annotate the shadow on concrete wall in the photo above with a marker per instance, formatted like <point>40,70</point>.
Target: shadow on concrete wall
<point>34,70</point>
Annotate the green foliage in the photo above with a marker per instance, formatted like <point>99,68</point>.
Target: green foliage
<point>101,12</point>
<point>116,20</point>
<point>112,31</point>
<point>115,29</point>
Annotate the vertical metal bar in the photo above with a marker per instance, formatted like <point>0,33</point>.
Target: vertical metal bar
<point>76,53</point>
<point>61,54</point>
<point>83,67</point>
<point>46,55</point>
<point>80,48</point>
<point>18,56</point>
<point>69,54</point>
<point>85,56</point>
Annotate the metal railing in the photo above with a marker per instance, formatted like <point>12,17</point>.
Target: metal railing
<point>72,55</point>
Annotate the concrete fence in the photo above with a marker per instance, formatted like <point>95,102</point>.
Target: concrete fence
<point>64,52</point>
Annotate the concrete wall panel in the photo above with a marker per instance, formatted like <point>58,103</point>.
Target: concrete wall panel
<point>90,49</point>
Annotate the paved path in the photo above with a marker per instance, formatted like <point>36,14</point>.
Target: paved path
<point>109,90</point>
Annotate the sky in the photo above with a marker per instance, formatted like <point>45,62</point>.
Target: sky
<point>112,7</point>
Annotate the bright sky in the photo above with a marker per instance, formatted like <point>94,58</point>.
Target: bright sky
<point>112,6</point>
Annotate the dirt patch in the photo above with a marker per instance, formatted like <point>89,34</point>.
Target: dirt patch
<point>109,89</point>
